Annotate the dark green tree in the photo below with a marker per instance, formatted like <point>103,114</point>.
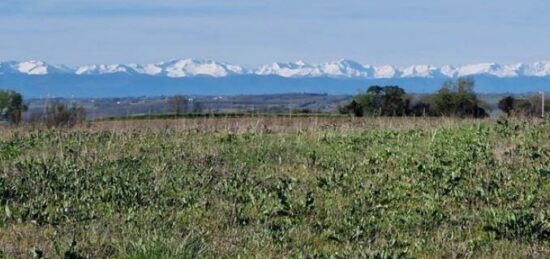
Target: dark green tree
<point>352,108</point>
<point>379,101</point>
<point>422,107</point>
<point>457,99</point>
<point>11,106</point>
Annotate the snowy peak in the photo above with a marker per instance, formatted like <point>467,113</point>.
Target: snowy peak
<point>487,69</point>
<point>425,71</point>
<point>386,72</point>
<point>32,67</point>
<point>291,69</point>
<point>341,68</point>
<point>104,69</point>
<point>191,67</point>
<point>298,69</point>
<point>539,69</point>
<point>346,68</point>
<point>175,68</point>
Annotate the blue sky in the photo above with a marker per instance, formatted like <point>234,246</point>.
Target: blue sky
<point>254,32</point>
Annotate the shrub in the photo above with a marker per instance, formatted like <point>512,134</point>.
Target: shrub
<point>530,106</point>
<point>506,104</point>
<point>61,115</point>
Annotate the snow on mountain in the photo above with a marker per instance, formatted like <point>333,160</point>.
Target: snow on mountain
<point>176,68</point>
<point>341,68</point>
<point>448,71</point>
<point>190,67</point>
<point>150,69</point>
<point>104,69</point>
<point>291,69</point>
<point>32,67</point>
<point>487,69</point>
<point>424,71</point>
<point>336,69</point>
<point>537,69</point>
<point>386,72</point>
<point>346,68</point>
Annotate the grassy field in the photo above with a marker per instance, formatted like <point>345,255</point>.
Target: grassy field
<point>277,187</point>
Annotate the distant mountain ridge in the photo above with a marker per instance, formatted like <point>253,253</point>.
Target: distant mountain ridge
<point>335,69</point>
<point>208,77</point>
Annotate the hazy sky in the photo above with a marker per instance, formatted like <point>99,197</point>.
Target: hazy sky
<point>253,32</point>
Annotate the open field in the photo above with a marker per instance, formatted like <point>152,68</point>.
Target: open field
<point>277,187</point>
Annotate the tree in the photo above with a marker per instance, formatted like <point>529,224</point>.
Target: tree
<point>458,99</point>
<point>11,106</point>
<point>395,101</point>
<point>422,107</point>
<point>379,101</point>
<point>352,108</point>
<point>177,104</point>
<point>506,104</point>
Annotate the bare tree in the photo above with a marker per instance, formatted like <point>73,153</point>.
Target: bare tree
<point>197,107</point>
<point>177,104</point>
<point>61,115</point>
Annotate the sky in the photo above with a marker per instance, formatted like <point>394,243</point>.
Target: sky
<point>255,32</point>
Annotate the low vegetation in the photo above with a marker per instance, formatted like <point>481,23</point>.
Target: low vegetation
<point>62,115</point>
<point>523,107</point>
<point>344,187</point>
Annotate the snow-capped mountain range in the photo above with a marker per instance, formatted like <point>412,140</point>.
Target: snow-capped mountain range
<point>340,69</point>
<point>36,79</point>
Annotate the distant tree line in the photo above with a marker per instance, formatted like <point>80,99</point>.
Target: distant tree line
<point>453,99</point>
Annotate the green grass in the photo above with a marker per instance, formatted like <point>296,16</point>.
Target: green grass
<point>479,189</point>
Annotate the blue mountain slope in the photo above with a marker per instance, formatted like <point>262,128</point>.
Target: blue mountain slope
<point>121,85</point>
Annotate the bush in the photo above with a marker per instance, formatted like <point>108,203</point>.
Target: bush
<point>61,115</point>
<point>530,106</point>
<point>506,105</point>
